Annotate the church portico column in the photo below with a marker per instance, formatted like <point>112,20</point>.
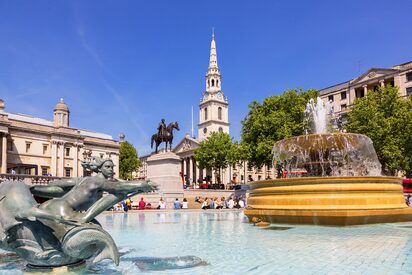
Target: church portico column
<point>4,154</point>
<point>197,171</point>
<point>382,82</point>
<point>191,169</point>
<point>184,169</point>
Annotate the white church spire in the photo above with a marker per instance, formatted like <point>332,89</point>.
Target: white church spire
<point>213,77</point>
<point>213,107</point>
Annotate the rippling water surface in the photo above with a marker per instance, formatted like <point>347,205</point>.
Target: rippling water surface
<point>223,243</point>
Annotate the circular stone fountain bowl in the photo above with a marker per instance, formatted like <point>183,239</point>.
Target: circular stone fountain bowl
<point>328,201</point>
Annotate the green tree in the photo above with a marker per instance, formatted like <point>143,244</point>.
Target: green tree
<point>276,118</point>
<point>129,161</point>
<point>387,119</point>
<point>238,155</point>
<point>214,151</point>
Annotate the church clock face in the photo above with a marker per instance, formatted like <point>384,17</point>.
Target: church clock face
<point>219,96</point>
<point>205,97</point>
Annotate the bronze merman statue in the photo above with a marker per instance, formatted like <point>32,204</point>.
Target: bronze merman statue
<point>63,231</point>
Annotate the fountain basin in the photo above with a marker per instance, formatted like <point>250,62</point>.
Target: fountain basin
<point>328,200</point>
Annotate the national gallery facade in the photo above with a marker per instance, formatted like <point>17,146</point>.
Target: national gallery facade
<point>39,147</point>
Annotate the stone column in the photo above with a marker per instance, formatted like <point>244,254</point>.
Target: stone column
<point>76,160</point>
<point>352,96</point>
<point>53,164</point>
<point>197,172</point>
<point>190,169</point>
<point>184,168</point>
<point>60,170</point>
<point>382,82</point>
<point>365,89</point>
<point>4,154</point>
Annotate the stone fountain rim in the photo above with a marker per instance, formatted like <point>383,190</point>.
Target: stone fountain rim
<point>327,180</point>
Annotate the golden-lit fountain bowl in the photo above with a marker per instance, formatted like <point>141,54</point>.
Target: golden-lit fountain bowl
<point>328,200</point>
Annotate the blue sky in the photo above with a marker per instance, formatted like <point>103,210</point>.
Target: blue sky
<point>121,66</point>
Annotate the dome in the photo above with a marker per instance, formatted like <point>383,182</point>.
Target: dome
<point>61,106</point>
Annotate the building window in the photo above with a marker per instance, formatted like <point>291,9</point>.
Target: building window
<point>10,145</point>
<point>217,83</point>
<point>343,95</point>
<point>408,76</point>
<point>360,93</point>
<point>67,172</point>
<point>28,145</point>
<point>409,91</point>
<point>213,82</point>
<point>219,113</point>
<point>220,129</point>
<point>343,107</point>
<point>330,98</point>
<point>45,149</point>
<point>205,113</point>
<point>45,171</point>
<point>67,152</point>
<point>204,130</point>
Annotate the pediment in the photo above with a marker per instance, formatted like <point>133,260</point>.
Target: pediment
<point>187,144</point>
<point>373,73</point>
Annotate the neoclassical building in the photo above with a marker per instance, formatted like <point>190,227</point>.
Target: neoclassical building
<point>36,146</point>
<point>344,94</point>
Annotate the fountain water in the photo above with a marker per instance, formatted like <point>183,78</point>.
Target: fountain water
<point>341,183</point>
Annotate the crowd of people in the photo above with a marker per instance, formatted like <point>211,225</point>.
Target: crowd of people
<point>232,202</point>
<point>221,203</point>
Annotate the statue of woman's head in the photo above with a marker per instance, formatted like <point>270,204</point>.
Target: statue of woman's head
<point>100,166</point>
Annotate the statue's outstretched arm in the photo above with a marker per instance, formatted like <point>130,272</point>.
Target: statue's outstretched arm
<point>129,187</point>
<point>55,189</point>
<point>101,205</point>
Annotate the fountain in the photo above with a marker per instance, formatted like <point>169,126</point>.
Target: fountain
<point>334,178</point>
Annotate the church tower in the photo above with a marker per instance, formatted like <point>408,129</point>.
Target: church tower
<point>213,107</point>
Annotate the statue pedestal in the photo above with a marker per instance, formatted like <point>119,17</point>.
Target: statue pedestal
<point>163,168</point>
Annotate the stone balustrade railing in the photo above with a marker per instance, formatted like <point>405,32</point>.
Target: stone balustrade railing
<point>28,179</point>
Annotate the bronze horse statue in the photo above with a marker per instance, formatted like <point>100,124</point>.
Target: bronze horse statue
<point>167,137</point>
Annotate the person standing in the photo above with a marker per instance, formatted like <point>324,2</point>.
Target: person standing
<point>231,203</point>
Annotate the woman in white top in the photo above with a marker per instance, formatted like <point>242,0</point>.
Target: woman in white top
<point>162,204</point>
<point>185,204</point>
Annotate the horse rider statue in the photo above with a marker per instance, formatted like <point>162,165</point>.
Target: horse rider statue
<point>161,129</point>
<point>164,134</point>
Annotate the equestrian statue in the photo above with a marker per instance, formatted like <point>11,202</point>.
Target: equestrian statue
<point>164,134</point>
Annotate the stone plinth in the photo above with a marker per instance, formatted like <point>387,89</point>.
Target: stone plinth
<point>164,168</point>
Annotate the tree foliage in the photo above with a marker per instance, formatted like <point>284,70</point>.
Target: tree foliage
<point>129,161</point>
<point>214,151</point>
<point>387,119</point>
<point>276,118</point>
